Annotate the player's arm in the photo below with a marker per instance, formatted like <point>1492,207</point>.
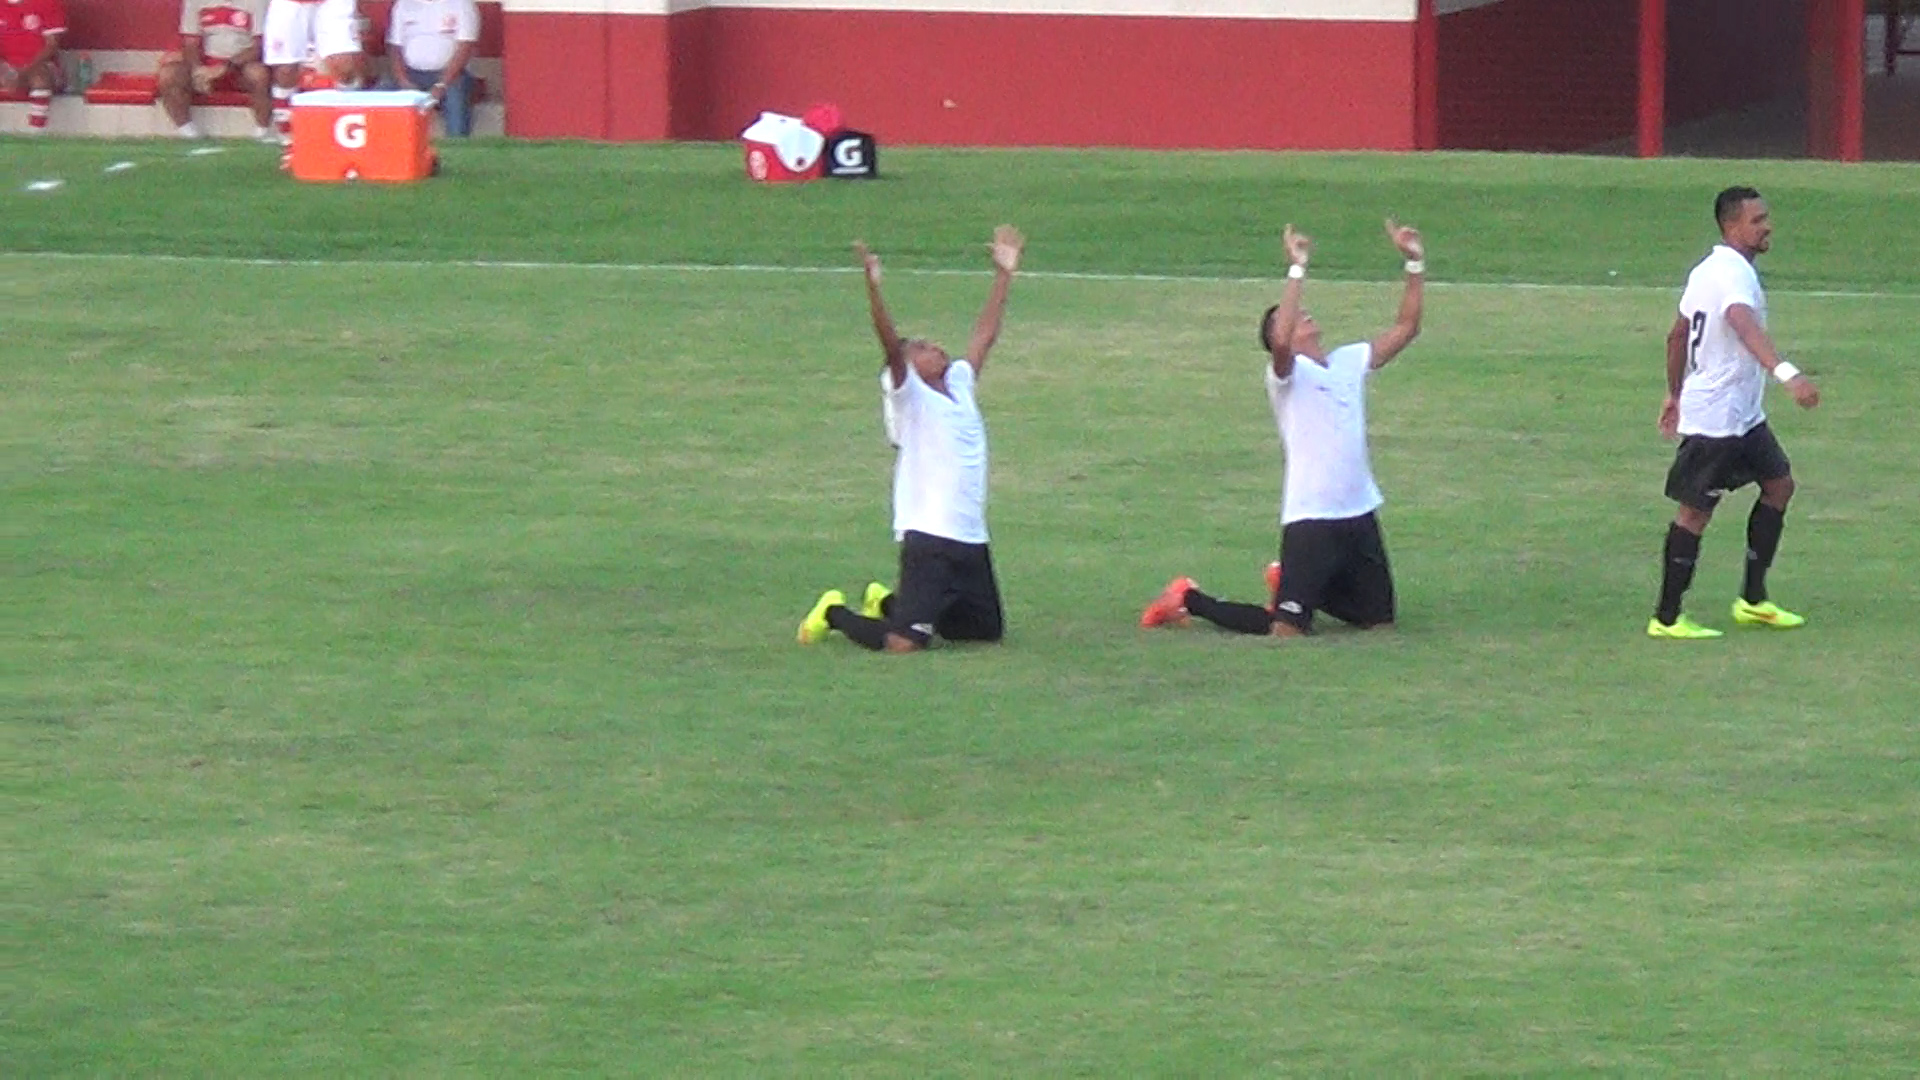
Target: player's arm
<point>1006,247</point>
<point>1746,326</point>
<point>190,52</point>
<point>1676,373</point>
<point>1406,324</point>
<point>1279,341</point>
<point>896,353</point>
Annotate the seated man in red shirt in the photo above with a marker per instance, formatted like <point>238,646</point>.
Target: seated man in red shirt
<point>219,50</point>
<point>30,53</point>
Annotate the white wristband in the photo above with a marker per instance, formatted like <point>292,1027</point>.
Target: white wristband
<point>1785,372</point>
<point>1297,271</point>
<point>1416,266</point>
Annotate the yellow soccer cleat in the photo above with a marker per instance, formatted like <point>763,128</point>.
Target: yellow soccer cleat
<point>875,599</point>
<point>1766,613</point>
<point>1683,629</point>
<point>814,628</point>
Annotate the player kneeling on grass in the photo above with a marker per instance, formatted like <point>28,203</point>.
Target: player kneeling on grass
<point>30,54</point>
<point>1718,360</point>
<point>219,50</point>
<point>1330,545</point>
<point>947,585</point>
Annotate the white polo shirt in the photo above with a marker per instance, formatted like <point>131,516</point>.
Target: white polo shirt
<point>940,474</point>
<point>1322,416</point>
<point>1724,386</point>
<point>428,31</point>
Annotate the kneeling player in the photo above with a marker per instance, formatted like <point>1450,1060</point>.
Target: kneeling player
<point>1330,545</point>
<point>947,585</point>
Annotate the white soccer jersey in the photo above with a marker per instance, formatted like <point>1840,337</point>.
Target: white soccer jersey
<point>940,474</point>
<point>1322,416</point>
<point>226,28</point>
<point>1724,386</point>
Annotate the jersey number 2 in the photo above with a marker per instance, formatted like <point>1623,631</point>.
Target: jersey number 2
<point>1693,345</point>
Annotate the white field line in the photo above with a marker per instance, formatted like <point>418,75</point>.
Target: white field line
<point>753,268</point>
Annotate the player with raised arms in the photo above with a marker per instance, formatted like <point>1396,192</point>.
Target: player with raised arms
<point>947,586</point>
<point>1332,556</point>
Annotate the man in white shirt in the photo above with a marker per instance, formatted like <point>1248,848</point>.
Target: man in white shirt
<point>219,50</point>
<point>429,43</point>
<point>947,586</point>
<point>1332,556</point>
<point>1718,360</point>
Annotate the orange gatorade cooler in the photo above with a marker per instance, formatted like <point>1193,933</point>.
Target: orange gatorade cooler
<point>384,135</point>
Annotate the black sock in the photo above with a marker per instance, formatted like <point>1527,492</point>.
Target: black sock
<point>859,629</point>
<point>1763,539</point>
<point>886,607</point>
<point>1240,618</point>
<point>1682,551</point>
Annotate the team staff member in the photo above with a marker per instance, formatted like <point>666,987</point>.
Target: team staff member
<point>30,54</point>
<point>1330,544</point>
<point>947,586</point>
<point>1718,360</point>
<point>219,50</point>
<point>429,44</point>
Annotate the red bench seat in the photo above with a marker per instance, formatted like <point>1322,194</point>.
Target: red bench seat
<point>136,88</point>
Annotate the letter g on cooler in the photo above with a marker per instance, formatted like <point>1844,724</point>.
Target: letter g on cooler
<point>350,131</point>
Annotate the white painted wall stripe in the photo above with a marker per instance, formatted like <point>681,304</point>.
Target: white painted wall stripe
<point>1306,10</point>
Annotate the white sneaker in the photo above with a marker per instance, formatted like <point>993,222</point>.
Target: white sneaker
<point>189,130</point>
<point>266,134</point>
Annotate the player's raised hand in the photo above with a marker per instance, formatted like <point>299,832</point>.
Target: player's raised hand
<point>868,260</point>
<point>1298,244</point>
<point>1006,247</point>
<point>1407,239</point>
<point>1805,394</point>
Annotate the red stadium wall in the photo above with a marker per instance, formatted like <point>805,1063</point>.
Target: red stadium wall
<point>1537,74</point>
<point>1725,54</point>
<point>1055,80</point>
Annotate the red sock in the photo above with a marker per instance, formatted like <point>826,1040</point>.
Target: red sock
<point>38,102</point>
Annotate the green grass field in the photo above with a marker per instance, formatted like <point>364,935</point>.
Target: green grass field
<point>399,673</point>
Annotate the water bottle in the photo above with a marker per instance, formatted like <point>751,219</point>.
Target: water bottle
<point>84,79</point>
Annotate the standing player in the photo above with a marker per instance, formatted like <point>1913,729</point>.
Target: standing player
<point>325,33</point>
<point>947,585</point>
<point>1718,360</point>
<point>30,54</point>
<point>1330,545</point>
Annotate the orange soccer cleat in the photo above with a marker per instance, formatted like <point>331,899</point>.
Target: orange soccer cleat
<point>1170,607</point>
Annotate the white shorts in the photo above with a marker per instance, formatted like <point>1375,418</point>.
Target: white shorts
<point>297,33</point>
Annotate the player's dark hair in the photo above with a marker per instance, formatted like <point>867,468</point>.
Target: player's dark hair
<point>1266,329</point>
<point>1728,203</point>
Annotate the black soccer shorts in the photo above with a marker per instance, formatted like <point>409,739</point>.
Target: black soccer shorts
<point>1338,566</point>
<point>1706,468</point>
<point>946,588</point>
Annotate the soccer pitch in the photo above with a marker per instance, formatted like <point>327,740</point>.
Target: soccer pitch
<point>402,585</point>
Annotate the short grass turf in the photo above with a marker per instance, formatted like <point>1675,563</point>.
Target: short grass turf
<point>400,675</point>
